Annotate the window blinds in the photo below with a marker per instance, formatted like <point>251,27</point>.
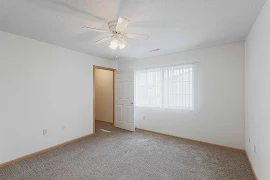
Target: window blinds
<point>166,87</point>
<point>148,87</point>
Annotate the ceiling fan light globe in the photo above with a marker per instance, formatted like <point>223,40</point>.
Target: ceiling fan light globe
<point>115,40</point>
<point>122,46</point>
<point>113,45</point>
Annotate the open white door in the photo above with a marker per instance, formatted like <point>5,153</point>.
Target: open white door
<point>124,100</point>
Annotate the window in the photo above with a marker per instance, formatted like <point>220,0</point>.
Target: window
<point>166,87</point>
<point>148,87</point>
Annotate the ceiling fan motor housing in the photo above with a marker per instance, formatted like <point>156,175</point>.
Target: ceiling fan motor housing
<point>112,26</point>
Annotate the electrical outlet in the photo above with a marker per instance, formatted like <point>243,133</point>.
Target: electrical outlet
<point>255,150</point>
<point>143,117</point>
<point>63,127</point>
<point>44,131</point>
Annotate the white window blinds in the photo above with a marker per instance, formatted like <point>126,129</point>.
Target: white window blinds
<point>178,86</point>
<point>166,87</point>
<point>148,87</point>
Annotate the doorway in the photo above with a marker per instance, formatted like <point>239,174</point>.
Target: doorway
<point>103,98</point>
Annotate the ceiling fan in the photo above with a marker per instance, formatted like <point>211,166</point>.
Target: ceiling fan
<point>117,36</point>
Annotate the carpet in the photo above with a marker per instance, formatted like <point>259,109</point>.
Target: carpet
<point>116,154</point>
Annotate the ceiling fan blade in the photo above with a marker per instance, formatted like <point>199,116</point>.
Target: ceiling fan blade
<point>95,29</point>
<point>137,36</point>
<point>103,40</point>
<point>121,24</point>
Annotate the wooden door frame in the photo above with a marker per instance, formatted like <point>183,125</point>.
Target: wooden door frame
<point>94,112</point>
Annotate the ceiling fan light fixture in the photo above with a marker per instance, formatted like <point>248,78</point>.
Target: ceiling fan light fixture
<point>113,45</point>
<point>117,43</point>
<point>122,46</point>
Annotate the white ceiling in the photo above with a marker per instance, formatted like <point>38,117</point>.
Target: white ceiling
<point>173,25</point>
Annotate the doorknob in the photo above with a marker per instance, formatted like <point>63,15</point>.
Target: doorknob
<point>131,103</point>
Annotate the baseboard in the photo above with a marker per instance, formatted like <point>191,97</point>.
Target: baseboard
<point>254,173</point>
<point>211,144</point>
<point>43,151</point>
<point>105,122</point>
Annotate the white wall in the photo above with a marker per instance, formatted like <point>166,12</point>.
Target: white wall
<point>219,118</point>
<point>258,94</point>
<point>43,86</point>
<point>104,95</point>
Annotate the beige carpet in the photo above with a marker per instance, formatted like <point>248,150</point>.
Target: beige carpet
<point>122,155</point>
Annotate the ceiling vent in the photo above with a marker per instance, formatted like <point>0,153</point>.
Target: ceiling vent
<point>154,50</point>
